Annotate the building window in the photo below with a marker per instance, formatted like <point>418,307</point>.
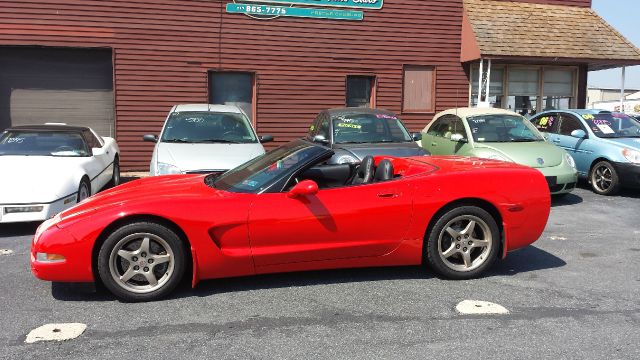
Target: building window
<point>558,89</point>
<point>360,91</point>
<point>233,88</point>
<point>418,89</point>
<point>528,90</point>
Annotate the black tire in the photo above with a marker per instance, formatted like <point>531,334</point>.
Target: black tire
<point>84,189</point>
<point>162,243</point>
<point>115,178</point>
<point>604,178</point>
<point>480,257</point>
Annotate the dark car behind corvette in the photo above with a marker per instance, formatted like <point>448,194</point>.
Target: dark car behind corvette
<point>354,133</point>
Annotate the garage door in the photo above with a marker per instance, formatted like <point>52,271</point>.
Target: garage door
<point>73,86</point>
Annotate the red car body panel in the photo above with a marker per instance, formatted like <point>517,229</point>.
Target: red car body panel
<point>238,234</point>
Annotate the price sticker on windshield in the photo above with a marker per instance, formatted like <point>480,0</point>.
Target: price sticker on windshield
<point>606,129</point>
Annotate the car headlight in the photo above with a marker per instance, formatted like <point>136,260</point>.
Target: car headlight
<point>631,155</point>
<point>46,225</point>
<point>346,159</point>
<point>569,159</point>
<point>499,157</point>
<point>167,169</point>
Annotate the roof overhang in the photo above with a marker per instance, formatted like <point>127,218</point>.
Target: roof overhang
<point>519,32</point>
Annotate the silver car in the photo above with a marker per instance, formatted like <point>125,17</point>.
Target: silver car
<point>204,138</point>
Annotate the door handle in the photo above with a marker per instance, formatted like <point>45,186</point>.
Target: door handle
<point>434,144</point>
<point>387,195</point>
<point>555,140</point>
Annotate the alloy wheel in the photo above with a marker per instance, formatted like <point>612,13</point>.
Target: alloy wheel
<point>602,178</point>
<point>141,263</point>
<point>465,243</point>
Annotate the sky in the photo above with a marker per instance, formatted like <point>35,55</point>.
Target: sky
<point>622,15</point>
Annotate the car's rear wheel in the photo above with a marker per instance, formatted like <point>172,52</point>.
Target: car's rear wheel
<point>604,178</point>
<point>84,189</point>
<point>463,243</point>
<point>141,261</point>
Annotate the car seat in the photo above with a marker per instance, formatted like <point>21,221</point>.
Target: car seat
<point>384,171</point>
<point>364,173</point>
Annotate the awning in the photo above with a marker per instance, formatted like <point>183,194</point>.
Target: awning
<point>526,32</point>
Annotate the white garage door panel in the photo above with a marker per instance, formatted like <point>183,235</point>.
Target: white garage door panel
<point>93,108</point>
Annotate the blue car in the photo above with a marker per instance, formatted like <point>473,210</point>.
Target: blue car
<point>605,145</point>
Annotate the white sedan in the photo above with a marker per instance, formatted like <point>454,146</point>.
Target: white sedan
<point>45,169</point>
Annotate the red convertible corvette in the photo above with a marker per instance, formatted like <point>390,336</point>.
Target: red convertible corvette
<point>288,210</point>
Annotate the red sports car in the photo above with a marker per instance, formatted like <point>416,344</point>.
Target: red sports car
<point>288,210</point>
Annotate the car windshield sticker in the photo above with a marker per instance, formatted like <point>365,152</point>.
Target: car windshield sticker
<point>346,125</point>
<point>385,116</point>
<point>16,140</point>
<point>479,121</point>
<point>606,129</point>
<point>474,130</point>
<point>480,139</point>
<point>312,127</point>
<point>250,183</point>
<point>601,122</point>
<point>546,122</point>
<point>588,117</point>
<point>194,120</point>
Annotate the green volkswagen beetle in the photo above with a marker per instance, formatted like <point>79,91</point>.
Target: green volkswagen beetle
<point>501,135</point>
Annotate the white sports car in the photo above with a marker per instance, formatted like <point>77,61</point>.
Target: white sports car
<point>45,169</point>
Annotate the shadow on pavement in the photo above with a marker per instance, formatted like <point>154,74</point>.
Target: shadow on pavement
<point>623,193</point>
<point>19,229</point>
<point>566,199</point>
<point>524,260</point>
<point>521,261</point>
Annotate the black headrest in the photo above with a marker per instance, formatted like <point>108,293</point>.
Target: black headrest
<point>384,171</point>
<point>364,174</point>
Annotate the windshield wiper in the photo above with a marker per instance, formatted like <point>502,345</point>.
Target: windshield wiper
<point>219,141</point>
<point>353,142</point>
<point>177,141</point>
<point>524,140</point>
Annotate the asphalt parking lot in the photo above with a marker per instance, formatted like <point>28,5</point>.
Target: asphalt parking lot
<point>574,294</point>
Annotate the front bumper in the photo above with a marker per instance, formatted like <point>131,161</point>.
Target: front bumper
<point>76,266</point>
<point>48,210</point>
<point>562,179</point>
<point>629,174</point>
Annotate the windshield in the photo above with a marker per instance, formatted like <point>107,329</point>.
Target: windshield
<point>42,143</point>
<point>502,128</point>
<point>259,173</point>
<point>208,127</point>
<point>612,125</point>
<point>368,128</point>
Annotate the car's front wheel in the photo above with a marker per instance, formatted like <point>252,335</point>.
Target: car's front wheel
<point>604,178</point>
<point>462,243</point>
<point>84,189</point>
<point>141,261</point>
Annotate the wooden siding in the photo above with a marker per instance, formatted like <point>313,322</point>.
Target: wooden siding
<point>163,50</point>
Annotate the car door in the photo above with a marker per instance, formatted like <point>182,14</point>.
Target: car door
<point>100,162</point>
<point>340,223</point>
<point>580,149</point>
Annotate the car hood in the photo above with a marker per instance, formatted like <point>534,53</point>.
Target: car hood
<point>528,153</point>
<point>199,157</point>
<point>36,179</point>
<point>390,149</point>
<point>154,189</point>
<point>633,143</point>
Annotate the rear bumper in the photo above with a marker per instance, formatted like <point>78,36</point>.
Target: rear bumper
<point>629,174</point>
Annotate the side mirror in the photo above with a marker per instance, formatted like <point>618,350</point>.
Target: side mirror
<point>97,151</point>
<point>320,139</point>
<point>304,187</point>
<point>265,138</point>
<point>579,133</point>
<point>458,138</point>
<point>150,138</point>
<point>416,136</point>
